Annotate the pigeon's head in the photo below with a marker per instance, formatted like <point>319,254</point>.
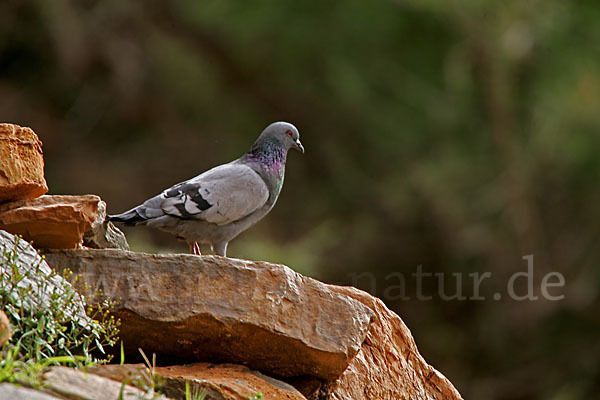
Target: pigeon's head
<point>284,133</point>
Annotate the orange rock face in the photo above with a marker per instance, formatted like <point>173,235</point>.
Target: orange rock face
<point>224,381</point>
<point>21,164</point>
<point>51,222</point>
<point>388,366</point>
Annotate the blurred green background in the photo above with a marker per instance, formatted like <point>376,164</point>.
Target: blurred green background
<point>456,135</point>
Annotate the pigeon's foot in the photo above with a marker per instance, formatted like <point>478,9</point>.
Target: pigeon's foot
<point>220,249</point>
<point>195,248</point>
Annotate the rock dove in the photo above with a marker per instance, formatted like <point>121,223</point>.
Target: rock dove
<point>217,205</point>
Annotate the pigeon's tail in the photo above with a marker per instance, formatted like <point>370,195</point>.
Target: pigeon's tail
<point>131,217</point>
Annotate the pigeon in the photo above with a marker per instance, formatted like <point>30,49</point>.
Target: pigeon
<point>217,205</point>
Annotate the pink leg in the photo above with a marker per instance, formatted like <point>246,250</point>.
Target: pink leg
<point>194,248</point>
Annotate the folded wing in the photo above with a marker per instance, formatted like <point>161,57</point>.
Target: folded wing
<point>221,195</point>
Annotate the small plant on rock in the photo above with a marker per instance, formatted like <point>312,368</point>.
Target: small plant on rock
<point>51,323</point>
<point>193,394</point>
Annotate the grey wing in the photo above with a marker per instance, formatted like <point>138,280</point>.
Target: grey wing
<point>221,195</point>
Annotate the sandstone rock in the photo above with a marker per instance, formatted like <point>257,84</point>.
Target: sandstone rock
<point>21,164</point>
<point>262,315</point>
<point>76,384</point>
<point>388,366</point>
<point>5,333</point>
<point>211,308</point>
<point>55,222</point>
<point>224,382</point>
<point>13,392</point>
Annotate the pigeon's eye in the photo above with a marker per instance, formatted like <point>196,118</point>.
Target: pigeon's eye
<point>289,133</point>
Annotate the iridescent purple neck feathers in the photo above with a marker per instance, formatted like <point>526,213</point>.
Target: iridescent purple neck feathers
<point>268,159</point>
<point>269,154</point>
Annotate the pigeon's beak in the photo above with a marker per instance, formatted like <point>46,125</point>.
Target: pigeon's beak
<point>298,146</point>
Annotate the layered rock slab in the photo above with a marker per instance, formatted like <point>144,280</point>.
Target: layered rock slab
<point>208,308</point>
<point>54,222</point>
<point>21,164</point>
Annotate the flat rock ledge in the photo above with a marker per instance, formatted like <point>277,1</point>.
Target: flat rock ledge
<point>329,342</point>
<point>209,308</point>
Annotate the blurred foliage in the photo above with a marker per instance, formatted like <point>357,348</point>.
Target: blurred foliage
<point>457,135</point>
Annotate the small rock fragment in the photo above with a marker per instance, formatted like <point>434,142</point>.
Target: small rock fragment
<point>5,333</point>
<point>104,235</point>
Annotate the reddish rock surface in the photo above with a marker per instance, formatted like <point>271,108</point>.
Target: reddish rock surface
<point>224,382</point>
<point>220,309</point>
<point>21,164</point>
<point>388,366</point>
<point>51,222</point>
